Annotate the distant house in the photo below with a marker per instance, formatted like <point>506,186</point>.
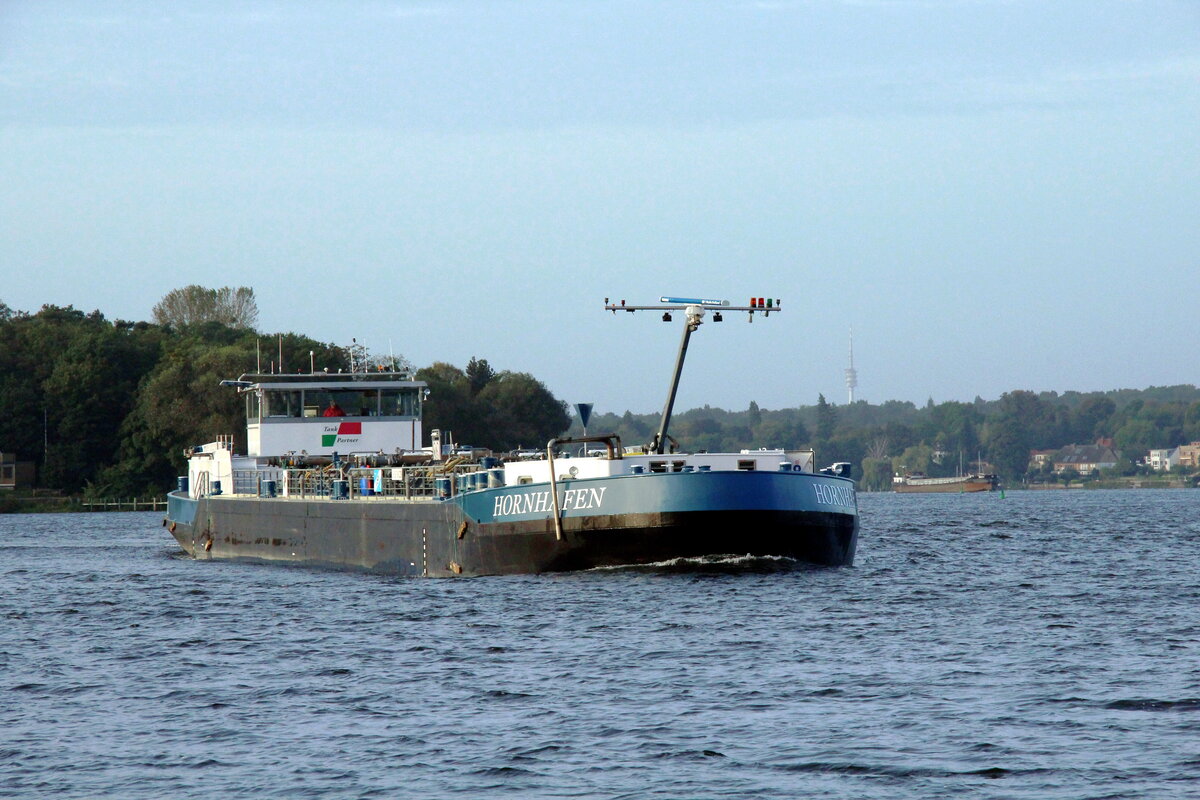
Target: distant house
<point>1039,457</point>
<point>15,474</point>
<point>1085,458</point>
<point>1163,460</point>
<point>1189,455</point>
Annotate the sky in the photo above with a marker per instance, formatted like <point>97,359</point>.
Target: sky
<point>993,194</point>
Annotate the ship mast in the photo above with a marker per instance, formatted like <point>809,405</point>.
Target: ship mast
<point>694,312</point>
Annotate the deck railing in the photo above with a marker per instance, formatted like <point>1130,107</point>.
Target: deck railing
<point>131,504</point>
<point>407,483</point>
<point>250,481</point>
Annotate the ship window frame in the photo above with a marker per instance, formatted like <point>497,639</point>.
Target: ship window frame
<point>289,399</point>
<point>317,400</point>
<point>407,403</point>
<point>254,406</point>
<point>658,466</point>
<point>747,464</point>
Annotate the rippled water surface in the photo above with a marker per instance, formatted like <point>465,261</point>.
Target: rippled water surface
<point>1042,645</point>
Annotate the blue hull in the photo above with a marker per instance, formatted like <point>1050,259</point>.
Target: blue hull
<point>629,519</point>
<point>671,492</point>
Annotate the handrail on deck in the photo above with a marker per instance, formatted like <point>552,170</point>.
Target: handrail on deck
<point>610,440</point>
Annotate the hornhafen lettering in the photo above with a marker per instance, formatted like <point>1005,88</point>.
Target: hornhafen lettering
<point>540,502</point>
<point>831,495</point>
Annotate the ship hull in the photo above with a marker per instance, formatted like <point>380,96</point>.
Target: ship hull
<point>955,487</point>
<point>511,530</point>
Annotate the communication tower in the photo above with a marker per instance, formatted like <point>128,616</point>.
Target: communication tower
<point>851,372</point>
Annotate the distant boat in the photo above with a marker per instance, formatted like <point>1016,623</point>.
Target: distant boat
<point>918,482</point>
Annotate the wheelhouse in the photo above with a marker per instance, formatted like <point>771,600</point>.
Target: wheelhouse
<point>322,413</point>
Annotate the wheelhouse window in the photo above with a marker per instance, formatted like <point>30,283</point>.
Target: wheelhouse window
<point>327,403</point>
<point>368,403</point>
<point>282,403</point>
<point>398,403</point>
<point>333,401</point>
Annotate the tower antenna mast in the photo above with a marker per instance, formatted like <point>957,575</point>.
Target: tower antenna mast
<point>851,372</point>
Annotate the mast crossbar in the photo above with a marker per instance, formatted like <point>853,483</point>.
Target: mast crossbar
<point>694,312</point>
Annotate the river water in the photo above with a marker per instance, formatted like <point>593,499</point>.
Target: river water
<point>1040,645</point>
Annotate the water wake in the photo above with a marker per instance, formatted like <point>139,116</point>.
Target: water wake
<point>725,563</point>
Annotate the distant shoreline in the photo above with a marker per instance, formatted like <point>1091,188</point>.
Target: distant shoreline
<point>32,504</point>
<point>1110,484</point>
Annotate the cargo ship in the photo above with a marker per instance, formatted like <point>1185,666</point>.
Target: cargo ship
<point>336,474</point>
<point>919,483</point>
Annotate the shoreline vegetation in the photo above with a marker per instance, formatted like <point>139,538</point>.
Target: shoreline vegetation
<point>105,409</point>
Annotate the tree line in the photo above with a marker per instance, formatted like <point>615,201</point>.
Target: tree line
<point>939,439</point>
<point>108,407</point>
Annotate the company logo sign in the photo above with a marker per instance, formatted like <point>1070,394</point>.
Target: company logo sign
<point>341,433</point>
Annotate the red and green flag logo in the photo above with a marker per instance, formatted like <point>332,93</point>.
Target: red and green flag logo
<point>344,429</point>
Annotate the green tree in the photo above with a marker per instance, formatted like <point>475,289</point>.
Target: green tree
<point>1022,421</point>
<point>1137,437</point>
<point>781,428</point>
<point>194,304</point>
<point>633,430</point>
<point>180,403</point>
<point>1090,419</point>
<point>700,433</point>
<point>753,415</point>
<point>876,474</point>
<point>847,445</point>
<point>736,437</point>
<point>915,459</point>
<point>66,381</point>
<point>479,374</point>
<point>521,412</point>
<point>91,389</point>
<point>826,425</point>
<point>451,406</point>
<point>1191,422</point>
<point>511,409</point>
<point>954,425</point>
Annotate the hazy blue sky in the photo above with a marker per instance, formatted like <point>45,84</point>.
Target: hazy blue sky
<point>996,194</point>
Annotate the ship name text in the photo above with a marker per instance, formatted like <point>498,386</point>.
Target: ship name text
<point>831,495</point>
<point>540,502</point>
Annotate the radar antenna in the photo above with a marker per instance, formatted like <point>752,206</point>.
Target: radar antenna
<point>694,310</point>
